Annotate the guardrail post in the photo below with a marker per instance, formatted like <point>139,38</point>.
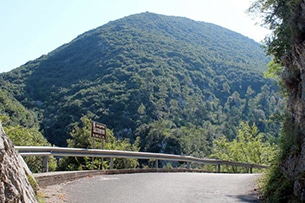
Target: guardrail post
<point>92,163</point>
<point>45,165</point>
<point>111,163</point>
<point>188,165</point>
<point>218,168</point>
<point>157,164</point>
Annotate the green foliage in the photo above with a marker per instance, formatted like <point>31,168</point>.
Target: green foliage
<point>114,144</point>
<point>33,183</point>
<point>21,126</point>
<point>81,134</point>
<point>274,70</point>
<point>275,185</point>
<point>39,195</point>
<point>21,136</point>
<point>194,141</point>
<point>163,136</point>
<point>168,165</point>
<point>280,17</point>
<point>141,69</point>
<point>25,136</point>
<point>13,112</point>
<point>286,21</point>
<point>249,147</point>
<point>81,138</point>
<point>175,83</point>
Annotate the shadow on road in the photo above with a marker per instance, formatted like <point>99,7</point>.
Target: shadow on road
<point>250,198</point>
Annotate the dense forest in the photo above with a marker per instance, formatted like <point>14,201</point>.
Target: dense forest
<point>175,83</point>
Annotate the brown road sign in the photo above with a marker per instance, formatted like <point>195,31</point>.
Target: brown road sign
<point>98,130</point>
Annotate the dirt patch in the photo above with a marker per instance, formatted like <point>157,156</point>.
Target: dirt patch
<point>53,193</point>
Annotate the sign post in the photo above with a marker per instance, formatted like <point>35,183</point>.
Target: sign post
<point>98,130</point>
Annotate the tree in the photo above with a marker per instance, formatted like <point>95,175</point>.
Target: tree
<point>248,146</point>
<point>81,138</point>
<point>286,20</point>
<point>193,141</point>
<point>114,144</point>
<point>158,137</point>
<point>21,136</point>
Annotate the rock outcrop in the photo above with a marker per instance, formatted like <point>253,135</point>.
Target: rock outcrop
<point>293,166</point>
<point>14,186</point>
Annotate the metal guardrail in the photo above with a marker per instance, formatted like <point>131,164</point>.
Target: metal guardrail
<point>79,152</point>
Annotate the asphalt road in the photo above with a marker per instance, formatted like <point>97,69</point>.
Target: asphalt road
<point>163,187</point>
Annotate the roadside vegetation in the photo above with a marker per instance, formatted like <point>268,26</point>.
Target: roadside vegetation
<point>284,182</point>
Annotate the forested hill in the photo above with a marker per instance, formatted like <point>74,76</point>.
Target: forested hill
<point>175,82</point>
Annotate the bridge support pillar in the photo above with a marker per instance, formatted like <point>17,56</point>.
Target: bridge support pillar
<point>45,165</point>
<point>111,163</point>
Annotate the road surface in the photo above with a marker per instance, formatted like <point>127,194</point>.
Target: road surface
<point>162,188</point>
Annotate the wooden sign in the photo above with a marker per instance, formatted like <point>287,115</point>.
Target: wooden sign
<point>98,130</point>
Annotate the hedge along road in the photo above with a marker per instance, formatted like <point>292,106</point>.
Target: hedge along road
<point>162,187</point>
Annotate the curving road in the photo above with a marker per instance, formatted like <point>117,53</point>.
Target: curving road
<point>162,187</point>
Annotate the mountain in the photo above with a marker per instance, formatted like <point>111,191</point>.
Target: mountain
<point>152,76</point>
<point>13,113</point>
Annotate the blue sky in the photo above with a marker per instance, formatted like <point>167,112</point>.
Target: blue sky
<point>31,28</point>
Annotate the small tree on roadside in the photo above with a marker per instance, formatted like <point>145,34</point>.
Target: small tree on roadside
<point>21,136</point>
<point>81,138</point>
<point>248,146</point>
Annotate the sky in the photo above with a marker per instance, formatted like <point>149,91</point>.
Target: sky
<point>31,28</point>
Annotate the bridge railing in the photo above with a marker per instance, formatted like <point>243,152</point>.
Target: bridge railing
<point>45,152</point>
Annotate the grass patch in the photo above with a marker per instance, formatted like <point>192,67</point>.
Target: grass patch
<point>275,186</point>
<point>39,194</point>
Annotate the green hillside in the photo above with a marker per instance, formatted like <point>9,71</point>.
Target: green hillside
<point>175,82</point>
<point>13,113</point>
